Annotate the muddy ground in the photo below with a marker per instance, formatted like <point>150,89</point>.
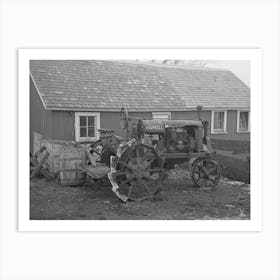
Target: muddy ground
<point>180,200</point>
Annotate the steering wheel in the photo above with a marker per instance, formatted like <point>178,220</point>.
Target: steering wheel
<point>124,118</point>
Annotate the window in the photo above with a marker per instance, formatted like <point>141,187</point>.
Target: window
<point>86,125</point>
<point>219,122</point>
<point>243,121</point>
<point>162,116</point>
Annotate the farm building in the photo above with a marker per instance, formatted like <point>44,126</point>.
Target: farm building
<point>71,99</point>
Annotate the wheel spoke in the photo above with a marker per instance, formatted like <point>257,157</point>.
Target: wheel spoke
<point>130,191</point>
<point>124,164</point>
<point>152,160</point>
<point>205,171</point>
<point>212,169</point>
<point>156,170</point>
<point>146,187</point>
<point>127,181</point>
<point>137,154</point>
<point>120,173</point>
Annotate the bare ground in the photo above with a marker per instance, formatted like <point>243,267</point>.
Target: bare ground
<point>180,200</point>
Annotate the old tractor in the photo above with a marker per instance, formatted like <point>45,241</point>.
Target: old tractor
<point>139,164</point>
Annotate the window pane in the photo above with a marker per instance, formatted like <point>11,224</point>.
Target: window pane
<point>161,116</point>
<point>219,121</point>
<point>83,120</point>
<point>91,132</point>
<point>91,120</point>
<point>243,121</point>
<point>83,132</point>
<point>87,126</point>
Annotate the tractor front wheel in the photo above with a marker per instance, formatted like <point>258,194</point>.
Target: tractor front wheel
<point>205,173</point>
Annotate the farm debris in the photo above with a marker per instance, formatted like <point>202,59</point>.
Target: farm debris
<point>94,169</point>
<point>92,158</point>
<point>38,164</point>
<point>95,172</point>
<point>229,206</point>
<point>56,148</point>
<point>242,215</point>
<point>178,174</point>
<point>231,182</point>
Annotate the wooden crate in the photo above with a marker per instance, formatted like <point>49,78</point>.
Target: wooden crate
<point>58,150</point>
<point>69,173</point>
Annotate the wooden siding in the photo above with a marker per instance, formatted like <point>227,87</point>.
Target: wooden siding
<point>112,120</point>
<point>206,115</point>
<point>64,125</point>
<point>232,133</point>
<point>40,120</point>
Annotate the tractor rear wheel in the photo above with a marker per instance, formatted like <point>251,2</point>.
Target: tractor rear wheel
<point>139,172</point>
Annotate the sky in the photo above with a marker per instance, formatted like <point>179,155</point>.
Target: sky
<point>241,68</point>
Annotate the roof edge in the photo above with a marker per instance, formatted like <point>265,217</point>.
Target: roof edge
<point>35,85</point>
<point>178,66</point>
<point>145,110</point>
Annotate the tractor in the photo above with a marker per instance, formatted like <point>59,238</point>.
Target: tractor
<point>139,164</point>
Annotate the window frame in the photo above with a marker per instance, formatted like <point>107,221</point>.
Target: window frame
<point>238,119</point>
<point>213,118</point>
<point>77,125</point>
<point>161,113</point>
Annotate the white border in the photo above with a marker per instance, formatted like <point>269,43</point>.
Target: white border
<point>238,119</point>
<point>77,125</point>
<point>212,122</point>
<point>254,55</point>
<point>155,114</point>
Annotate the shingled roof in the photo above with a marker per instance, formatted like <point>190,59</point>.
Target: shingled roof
<point>109,85</point>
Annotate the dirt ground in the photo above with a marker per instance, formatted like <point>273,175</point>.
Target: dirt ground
<point>180,200</point>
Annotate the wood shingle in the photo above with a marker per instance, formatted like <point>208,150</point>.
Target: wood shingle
<point>109,85</point>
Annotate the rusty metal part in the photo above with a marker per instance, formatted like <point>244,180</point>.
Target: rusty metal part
<point>205,173</point>
<point>137,172</point>
<point>124,118</point>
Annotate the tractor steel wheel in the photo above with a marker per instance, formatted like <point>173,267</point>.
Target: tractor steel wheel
<point>139,173</point>
<point>205,173</point>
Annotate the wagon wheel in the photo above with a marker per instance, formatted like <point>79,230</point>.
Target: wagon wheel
<point>205,173</point>
<point>139,173</point>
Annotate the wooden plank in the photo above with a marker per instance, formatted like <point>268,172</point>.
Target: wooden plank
<point>40,151</point>
<point>39,166</point>
<point>45,172</point>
